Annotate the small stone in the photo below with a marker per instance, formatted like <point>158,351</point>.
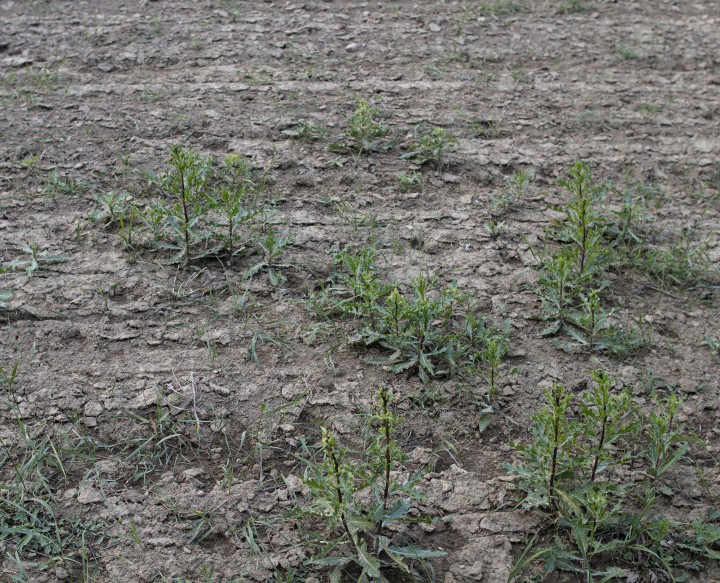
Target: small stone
<point>447,418</point>
<point>483,177</point>
<point>160,542</point>
<point>434,27</point>
<point>90,495</point>
<point>288,428</point>
<point>93,409</point>
<point>451,178</point>
<point>90,421</point>
<point>220,390</point>
<point>106,67</point>
<point>353,47</point>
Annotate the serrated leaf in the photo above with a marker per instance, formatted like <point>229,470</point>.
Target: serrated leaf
<point>397,510</point>
<point>370,564</point>
<point>552,329</point>
<point>331,561</point>
<point>416,552</point>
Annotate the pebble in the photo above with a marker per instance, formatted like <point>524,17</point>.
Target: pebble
<point>434,28</point>
<point>353,47</point>
<point>106,67</point>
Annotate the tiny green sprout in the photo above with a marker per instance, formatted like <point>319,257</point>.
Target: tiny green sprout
<point>362,131</point>
<point>431,147</point>
<point>306,131</point>
<point>32,163</point>
<point>410,182</point>
<point>494,229</point>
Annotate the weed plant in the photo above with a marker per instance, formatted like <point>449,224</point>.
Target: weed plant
<point>569,473</point>
<point>429,330</point>
<point>36,463</point>
<point>430,146</point>
<point>306,131</point>
<point>363,131</point>
<point>357,499</point>
<point>514,196</point>
<point>36,259</point>
<point>571,279</point>
<point>411,182</point>
<point>197,209</point>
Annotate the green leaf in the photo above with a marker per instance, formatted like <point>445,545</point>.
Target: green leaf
<point>552,329</point>
<point>397,510</point>
<point>485,420</point>
<point>253,270</point>
<point>416,552</point>
<point>370,564</point>
<point>331,561</point>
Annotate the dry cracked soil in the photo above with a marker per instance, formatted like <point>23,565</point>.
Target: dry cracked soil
<point>162,382</point>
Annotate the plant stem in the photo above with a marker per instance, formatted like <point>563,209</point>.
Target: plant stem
<point>185,212</point>
<point>600,445</point>
<point>336,467</point>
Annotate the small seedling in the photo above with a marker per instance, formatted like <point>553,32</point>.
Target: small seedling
<point>106,293</point>
<point>56,185</point>
<point>494,229</point>
<point>32,163</point>
<point>273,247</point>
<point>363,130</point>
<point>712,343</point>
<point>430,146</point>
<point>410,182</point>
<point>306,131</point>
<point>37,260</point>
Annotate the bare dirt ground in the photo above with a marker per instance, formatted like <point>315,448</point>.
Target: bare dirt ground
<point>93,92</point>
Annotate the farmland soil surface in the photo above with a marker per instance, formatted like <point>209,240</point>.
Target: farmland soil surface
<point>114,343</point>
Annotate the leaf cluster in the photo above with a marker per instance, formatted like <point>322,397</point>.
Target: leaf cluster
<point>568,471</point>
<point>427,329</point>
<point>358,495</point>
<point>430,146</point>
<point>363,130</point>
<point>571,278</point>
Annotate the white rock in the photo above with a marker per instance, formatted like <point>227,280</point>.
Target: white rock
<point>93,409</point>
<point>90,495</point>
<point>353,47</point>
<point>434,27</point>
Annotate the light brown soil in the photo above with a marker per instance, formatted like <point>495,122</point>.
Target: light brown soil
<point>633,88</point>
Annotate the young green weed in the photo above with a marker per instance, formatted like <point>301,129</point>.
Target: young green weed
<point>430,146</point>
<point>569,471</point>
<point>37,259</point>
<point>362,131</point>
<point>356,533</point>
<point>306,131</point>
